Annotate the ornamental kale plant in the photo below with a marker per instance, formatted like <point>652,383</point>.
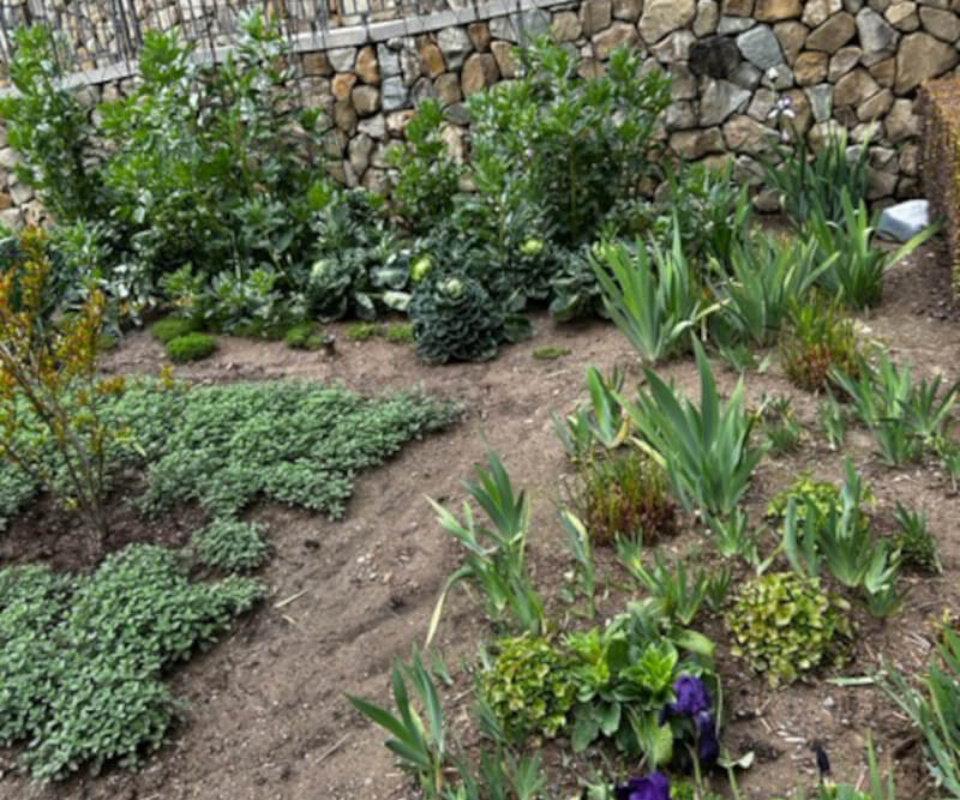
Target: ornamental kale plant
<point>82,657</point>
<point>454,319</point>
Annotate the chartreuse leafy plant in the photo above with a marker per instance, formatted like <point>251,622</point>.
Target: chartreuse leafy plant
<point>705,449</point>
<point>530,688</point>
<point>495,561</point>
<point>169,328</point>
<point>51,394</point>
<point>654,300</point>
<point>82,657</point>
<point>786,626</point>
<point>934,708</point>
<point>419,742</point>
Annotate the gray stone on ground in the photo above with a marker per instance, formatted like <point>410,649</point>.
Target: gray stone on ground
<point>904,220</point>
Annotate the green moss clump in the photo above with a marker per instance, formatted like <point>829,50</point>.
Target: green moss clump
<point>550,353</point>
<point>192,347</point>
<point>400,334</point>
<point>363,331</point>
<point>169,328</point>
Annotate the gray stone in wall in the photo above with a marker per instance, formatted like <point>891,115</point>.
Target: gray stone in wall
<point>395,94</point>
<point>733,25</point>
<point>760,47</point>
<point>342,59</point>
<point>708,16</point>
<point>747,76</point>
<point>719,100</point>
<point>661,17</point>
<point>375,127</point>
<point>503,28</point>
<point>876,34</point>
<point>821,101</point>
<point>455,45</point>
<point>904,221</point>
<point>779,77</point>
<point>388,60</point>
<point>531,22</point>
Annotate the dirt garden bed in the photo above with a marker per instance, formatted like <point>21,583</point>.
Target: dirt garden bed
<point>268,717</point>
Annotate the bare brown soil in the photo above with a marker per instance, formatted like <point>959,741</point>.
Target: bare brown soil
<point>268,716</point>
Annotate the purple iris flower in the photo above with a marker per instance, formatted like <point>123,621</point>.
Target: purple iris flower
<point>708,748</point>
<point>692,697</point>
<point>655,786</point>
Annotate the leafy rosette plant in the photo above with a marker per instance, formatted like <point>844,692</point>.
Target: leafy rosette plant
<point>454,319</point>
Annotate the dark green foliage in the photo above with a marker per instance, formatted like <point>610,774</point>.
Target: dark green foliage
<point>231,545</point>
<point>299,444</point>
<point>574,286</point>
<point>816,340</point>
<point>529,687</point>
<point>428,179</point>
<point>169,328</point>
<point>191,347</point>
<point>785,626</point>
<point>454,319</point>
<point>780,427</point>
<point>306,336</point>
<point>624,495</point>
<point>46,123</point>
<point>81,658</point>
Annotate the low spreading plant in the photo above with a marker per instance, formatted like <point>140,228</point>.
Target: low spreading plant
<point>785,626</point>
<point>191,347</point>
<point>624,495</point>
<point>232,545</point>
<point>705,449</point>
<point>530,688</point>
<point>816,340</point>
<point>82,657</point>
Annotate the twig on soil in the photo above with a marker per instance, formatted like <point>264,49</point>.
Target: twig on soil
<point>333,748</point>
<point>290,599</point>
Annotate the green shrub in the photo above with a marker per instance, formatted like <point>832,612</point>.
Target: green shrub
<point>454,319</point>
<point>824,496</point>
<point>305,336</point>
<point>530,688</point>
<point>82,658</point>
<point>816,340</point>
<point>191,347</point>
<point>785,626</point>
<point>231,545</point>
<point>624,495</point>
<point>169,328</point>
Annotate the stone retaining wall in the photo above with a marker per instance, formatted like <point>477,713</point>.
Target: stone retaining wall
<point>851,63</point>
